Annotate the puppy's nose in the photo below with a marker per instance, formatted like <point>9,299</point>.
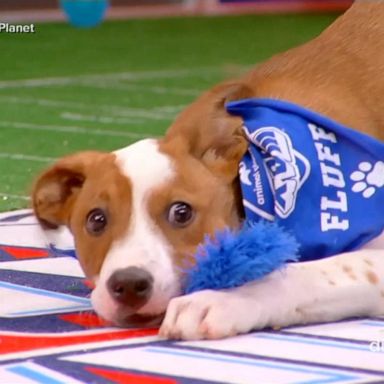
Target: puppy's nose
<point>131,286</point>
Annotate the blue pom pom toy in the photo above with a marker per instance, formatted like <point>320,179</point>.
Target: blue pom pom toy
<point>233,258</point>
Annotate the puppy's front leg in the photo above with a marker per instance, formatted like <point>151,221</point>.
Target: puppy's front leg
<point>351,284</point>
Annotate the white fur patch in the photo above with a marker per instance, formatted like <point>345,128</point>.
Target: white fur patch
<point>144,245</point>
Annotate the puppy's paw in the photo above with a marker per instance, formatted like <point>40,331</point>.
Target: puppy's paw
<point>207,315</point>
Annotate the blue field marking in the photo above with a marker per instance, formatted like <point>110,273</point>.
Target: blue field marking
<point>31,374</point>
<point>37,312</point>
<point>43,292</point>
<point>373,323</point>
<point>329,376</point>
<point>311,341</point>
<point>16,217</point>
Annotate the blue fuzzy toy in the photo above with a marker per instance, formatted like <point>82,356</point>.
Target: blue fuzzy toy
<point>233,258</point>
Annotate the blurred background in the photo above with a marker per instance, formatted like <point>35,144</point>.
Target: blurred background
<point>47,9</point>
<point>69,86</point>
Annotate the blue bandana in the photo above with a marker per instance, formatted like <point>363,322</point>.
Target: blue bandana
<point>320,180</point>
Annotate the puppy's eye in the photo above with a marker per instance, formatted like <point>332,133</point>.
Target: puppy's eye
<point>180,214</point>
<point>96,222</point>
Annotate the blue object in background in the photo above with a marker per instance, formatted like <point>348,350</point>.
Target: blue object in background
<point>85,13</point>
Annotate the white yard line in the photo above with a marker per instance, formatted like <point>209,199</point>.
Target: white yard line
<point>138,112</point>
<point>6,196</point>
<point>106,108</point>
<point>172,109</point>
<point>99,119</point>
<point>73,129</point>
<point>133,75</point>
<point>142,88</point>
<point>22,157</point>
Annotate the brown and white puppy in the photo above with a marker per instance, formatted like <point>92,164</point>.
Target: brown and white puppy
<point>138,214</point>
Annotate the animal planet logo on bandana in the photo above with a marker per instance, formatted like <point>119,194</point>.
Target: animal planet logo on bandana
<point>322,181</point>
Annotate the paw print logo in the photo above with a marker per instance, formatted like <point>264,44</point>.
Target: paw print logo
<point>368,178</point>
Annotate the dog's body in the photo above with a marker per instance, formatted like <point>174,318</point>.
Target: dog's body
<point>139,213</point>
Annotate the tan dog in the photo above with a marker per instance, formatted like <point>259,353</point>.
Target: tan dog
<point>137,214</point>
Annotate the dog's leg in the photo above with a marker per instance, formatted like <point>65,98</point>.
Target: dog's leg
<point>351,284</point>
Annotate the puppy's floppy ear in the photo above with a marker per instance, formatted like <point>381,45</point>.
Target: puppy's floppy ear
<point>230,91</point>
<point>224,156</point>
<point>56,190</point>
<point>213,135</point>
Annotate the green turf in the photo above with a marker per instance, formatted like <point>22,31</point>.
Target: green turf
<point>105,87</point>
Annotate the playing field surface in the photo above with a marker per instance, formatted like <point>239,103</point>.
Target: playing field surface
<point>64,90</point>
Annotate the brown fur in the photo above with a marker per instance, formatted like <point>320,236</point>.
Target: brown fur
<point>212,198</point>
<point>75,185</point>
